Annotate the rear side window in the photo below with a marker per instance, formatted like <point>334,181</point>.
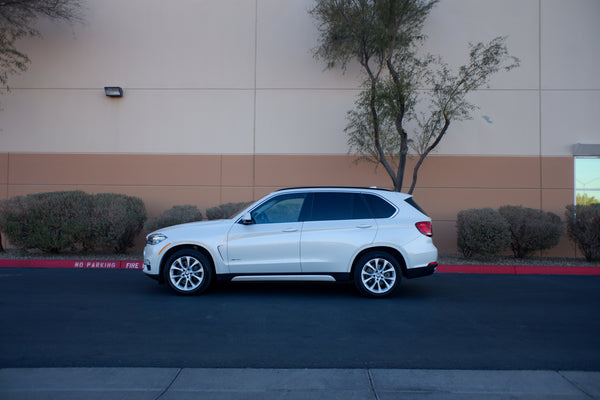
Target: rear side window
<point>338,206</point>
<point>379,207</point>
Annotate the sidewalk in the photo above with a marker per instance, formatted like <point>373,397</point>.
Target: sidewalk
<point>321,384</point>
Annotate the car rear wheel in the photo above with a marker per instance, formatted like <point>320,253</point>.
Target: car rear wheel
<point>188,272</point>
<point>377,274</point>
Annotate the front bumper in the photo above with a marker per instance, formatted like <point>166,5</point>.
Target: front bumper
<point>152,261</point>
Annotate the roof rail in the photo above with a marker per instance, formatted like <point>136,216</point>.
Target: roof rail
<point>334,187</point>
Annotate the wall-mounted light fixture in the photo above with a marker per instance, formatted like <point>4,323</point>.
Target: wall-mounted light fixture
<point>113,91</point>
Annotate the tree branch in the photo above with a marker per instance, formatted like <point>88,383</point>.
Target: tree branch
<point>422,157</point>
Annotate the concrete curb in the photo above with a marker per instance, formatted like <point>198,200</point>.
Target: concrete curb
<point>453,269</point>
<point>266,384</point>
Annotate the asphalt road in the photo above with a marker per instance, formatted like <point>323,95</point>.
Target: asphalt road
<point>120,318</point>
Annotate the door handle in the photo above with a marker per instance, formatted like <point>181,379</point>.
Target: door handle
<point>290,230</point>
<point>364,226</point>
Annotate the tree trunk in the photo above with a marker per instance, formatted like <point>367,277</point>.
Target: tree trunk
<point>426,153</point>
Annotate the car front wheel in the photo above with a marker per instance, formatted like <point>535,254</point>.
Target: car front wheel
<point>188,272</point>
<point>377,274</point>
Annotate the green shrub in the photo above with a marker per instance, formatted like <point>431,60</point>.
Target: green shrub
<point>225,211</point>
<point>173,216</point>
<point>583,227</point>
<point>531,229</point>
<point>58,221</point>
<point>51,222</point>
<point>13,220</point>
<point>115,221</point>
<point>482,231</point>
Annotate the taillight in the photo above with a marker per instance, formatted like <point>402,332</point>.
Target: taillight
<point>425,228</point>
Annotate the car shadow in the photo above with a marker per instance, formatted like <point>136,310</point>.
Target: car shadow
<point>407,290</point>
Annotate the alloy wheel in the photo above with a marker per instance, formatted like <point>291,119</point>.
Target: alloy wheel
<point>378,276</point>
<point>186,273</point>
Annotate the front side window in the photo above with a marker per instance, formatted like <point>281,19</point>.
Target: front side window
<point>284,208</point>
<point>587,180</point>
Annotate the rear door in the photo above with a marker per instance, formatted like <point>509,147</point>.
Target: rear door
<point>337,225</point>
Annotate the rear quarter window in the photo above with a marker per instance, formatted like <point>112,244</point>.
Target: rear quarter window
<point>379,207</point>
<point>414,204</point>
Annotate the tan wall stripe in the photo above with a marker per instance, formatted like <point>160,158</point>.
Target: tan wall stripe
<point>447,184</point>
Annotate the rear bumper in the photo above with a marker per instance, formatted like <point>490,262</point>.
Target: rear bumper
<point>421,271</point>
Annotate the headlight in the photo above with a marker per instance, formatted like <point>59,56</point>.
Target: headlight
<point>155,238</point>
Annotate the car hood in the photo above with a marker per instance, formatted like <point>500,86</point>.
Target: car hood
<point>195,226</point>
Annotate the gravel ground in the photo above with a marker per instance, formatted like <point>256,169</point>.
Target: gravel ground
<point>444,259</point>
<point>453,259</point>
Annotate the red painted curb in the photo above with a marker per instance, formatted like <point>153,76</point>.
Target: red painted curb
<point>452,269</point>
<point>476,269</point>
<point>92,264</point>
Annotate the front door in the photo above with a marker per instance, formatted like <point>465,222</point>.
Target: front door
<point>271,242</point>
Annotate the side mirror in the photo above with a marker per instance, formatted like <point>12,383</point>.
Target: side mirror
<point>247,219</point>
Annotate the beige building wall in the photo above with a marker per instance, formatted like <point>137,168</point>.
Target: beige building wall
<point>224,102</point>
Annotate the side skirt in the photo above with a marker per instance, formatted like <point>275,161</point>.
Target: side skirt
<point>286,277</point>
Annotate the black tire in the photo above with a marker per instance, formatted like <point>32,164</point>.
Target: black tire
<point>377,274</point>
<point>188,272</point>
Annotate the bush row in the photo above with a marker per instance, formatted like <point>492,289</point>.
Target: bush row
<point>488,232</point>
<point>58,221</point>
<point>523,230</point>
<point>70,220</point>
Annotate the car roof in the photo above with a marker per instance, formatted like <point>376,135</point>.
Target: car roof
<point>345,189</point>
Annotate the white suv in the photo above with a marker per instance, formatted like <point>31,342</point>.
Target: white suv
<point>370,236</point>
